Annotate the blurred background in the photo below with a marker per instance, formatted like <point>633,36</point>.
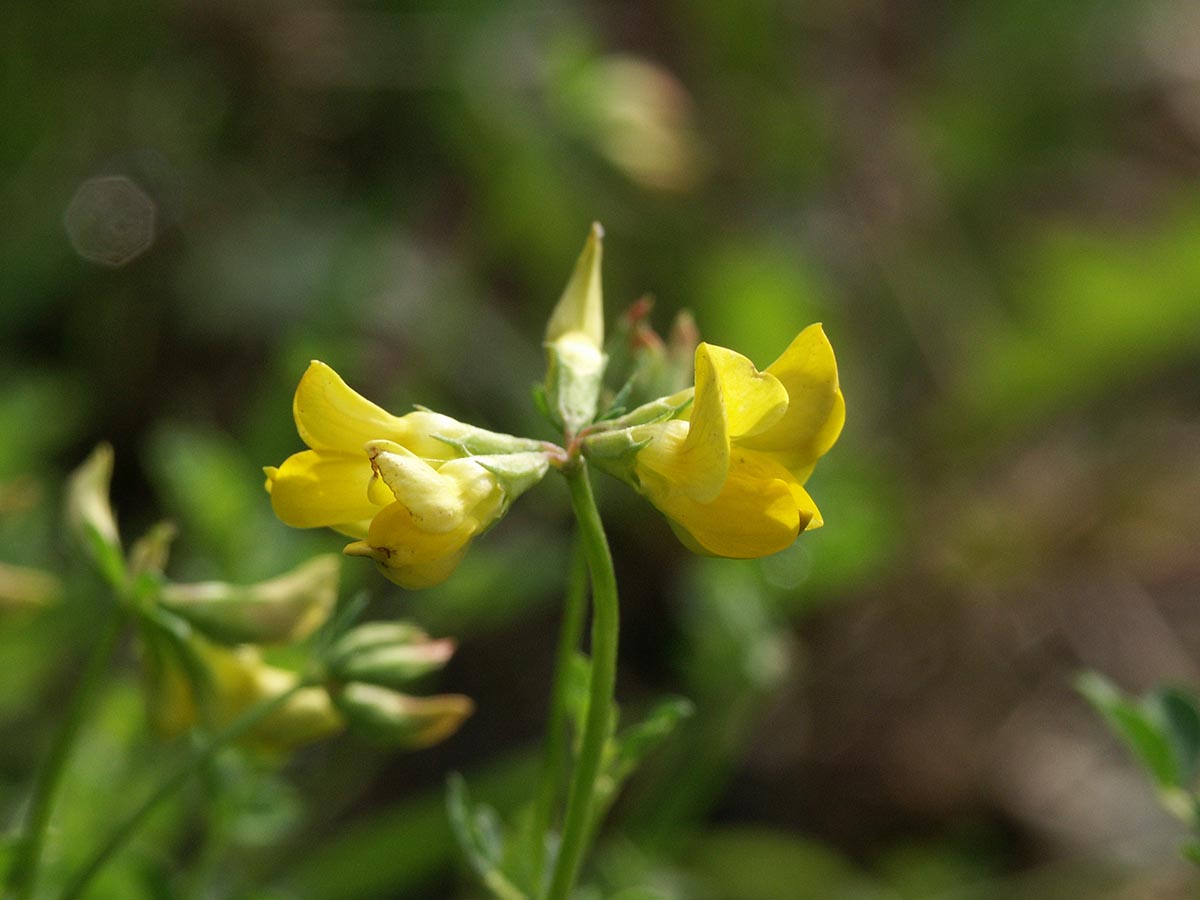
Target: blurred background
<point>994,208</point>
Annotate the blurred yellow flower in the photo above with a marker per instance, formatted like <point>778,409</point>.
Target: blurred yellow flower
<point>729,471</point>
<point>236,679</point>
<point>413,489</point>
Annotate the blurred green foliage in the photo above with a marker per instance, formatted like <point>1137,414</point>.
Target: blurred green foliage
<point>992,208</point>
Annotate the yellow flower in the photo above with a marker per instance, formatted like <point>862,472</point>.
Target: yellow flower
<point>729,471</point>
<point>414,489</point>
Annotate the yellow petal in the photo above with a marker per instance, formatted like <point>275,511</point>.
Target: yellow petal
<point>409,555</point>
<point>332,416</point>
<point>807,506</point>
<point>314,489</point>
<point>700,463</point>
<point>816,410</point>
<point>356,530</point>
<point>753,400</point>
<point>434,501</point>
<point>757,512</point>
<point>732,399</point>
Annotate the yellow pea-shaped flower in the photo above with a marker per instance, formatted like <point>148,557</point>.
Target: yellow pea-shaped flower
<point>729,470</point>
<point>413,490</point>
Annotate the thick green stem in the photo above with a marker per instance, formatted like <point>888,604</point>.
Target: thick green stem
<point>605,622</point>
<point>554,762</point>
<point>22,878</point>
<point>173,782</point>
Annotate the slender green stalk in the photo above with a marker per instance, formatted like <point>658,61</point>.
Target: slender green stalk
<point>179,776</point>
<point>554,761</point>
<point>22,879</point>
<point>605,622</point>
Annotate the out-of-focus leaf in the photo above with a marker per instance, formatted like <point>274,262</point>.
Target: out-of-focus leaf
<point>1144,736</point>
<point>480,835</point>
<point>634,743</point>
<point>755,864</point>
<point>1102,311</point>
<point>54,402</point>
<point>1181,715</point>
<point>216,494</point>
<point>401,850</point>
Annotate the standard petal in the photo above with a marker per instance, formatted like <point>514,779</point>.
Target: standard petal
<point>732,399</point>
<point>331,416</point>
<point>755,514</point>
<point>320,488</point>
<point>816,410</point>
<point>699,463</point>
<point>753,400</point>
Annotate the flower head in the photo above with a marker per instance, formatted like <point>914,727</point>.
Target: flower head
<point>413,489</point>
<point>728,469</point>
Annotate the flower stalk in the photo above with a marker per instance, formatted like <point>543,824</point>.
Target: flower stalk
<point>554,764</point>
<point>605,630</point>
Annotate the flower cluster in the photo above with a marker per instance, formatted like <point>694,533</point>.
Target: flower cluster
<point>726,460</point>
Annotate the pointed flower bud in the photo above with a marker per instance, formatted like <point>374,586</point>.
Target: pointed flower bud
<point>391,717</point>
<point>391,654</point>
<point>281,610</point>
<point>575,341</point>
<point>90,515</point>
<point>150,552</point>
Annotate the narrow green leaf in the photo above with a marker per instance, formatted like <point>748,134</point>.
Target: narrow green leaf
<point>480,835</point>
<point>1145,737</point>
<point>638,741</point>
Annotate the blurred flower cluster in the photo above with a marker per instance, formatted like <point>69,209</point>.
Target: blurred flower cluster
<point>207,647</point>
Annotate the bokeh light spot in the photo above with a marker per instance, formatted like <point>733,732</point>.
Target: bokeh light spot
<point>110,220</point>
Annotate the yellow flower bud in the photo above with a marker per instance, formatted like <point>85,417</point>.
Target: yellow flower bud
<point>234,680</point>
<point>281,610</point>
<point>90,515</point>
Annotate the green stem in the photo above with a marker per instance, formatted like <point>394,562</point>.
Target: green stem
<point>22,877</point>
<point>175,780</point>
<point>605,621</point>
<point>554,761</point>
